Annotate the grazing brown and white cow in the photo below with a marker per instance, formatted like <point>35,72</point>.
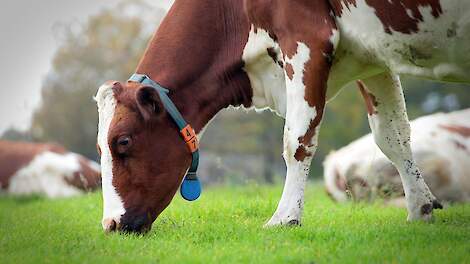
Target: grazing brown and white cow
<point>281,55</point>
<point>441,148</point>
<point>45,169</point>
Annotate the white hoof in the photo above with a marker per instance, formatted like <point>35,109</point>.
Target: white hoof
<point>288,220</point>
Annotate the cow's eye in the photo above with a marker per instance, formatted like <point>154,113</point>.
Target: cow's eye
<point>123,144</point>
<point>124,141</point>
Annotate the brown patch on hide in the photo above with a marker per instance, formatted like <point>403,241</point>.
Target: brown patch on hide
<point>397,15</point>
<point>457,129</point>
<point>401,20</point>
<point>301,153</point>
<point>86,178</point>
<point>289,71</point>
<point>337,6</point>
<point>307,22</point>
<point>369,98</point>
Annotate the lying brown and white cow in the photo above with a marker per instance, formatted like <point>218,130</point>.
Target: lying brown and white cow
<point>441,147</point>
<point>291,56</point>
<point>45,169</point>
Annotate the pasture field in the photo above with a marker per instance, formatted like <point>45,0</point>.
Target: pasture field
<point>225,226</point>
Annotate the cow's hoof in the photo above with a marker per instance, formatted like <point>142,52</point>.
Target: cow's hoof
<point>274,221</point>
<point>437,205</point>
<point>424,212</point>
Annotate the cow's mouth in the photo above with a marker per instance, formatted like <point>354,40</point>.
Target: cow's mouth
<point>135,223</point>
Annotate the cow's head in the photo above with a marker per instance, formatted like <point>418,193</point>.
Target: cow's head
<point>143,157</point>
<point>197,54</point>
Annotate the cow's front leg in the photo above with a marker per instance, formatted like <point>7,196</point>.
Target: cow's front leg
<point>391,129</point>
<point>298,156</point>
<point>307,52</point>
<point>306,76</point>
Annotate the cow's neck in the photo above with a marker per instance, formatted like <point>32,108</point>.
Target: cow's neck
<point>201,62</point>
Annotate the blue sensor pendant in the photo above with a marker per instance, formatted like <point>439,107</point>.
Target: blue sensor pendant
<point>190,189</point>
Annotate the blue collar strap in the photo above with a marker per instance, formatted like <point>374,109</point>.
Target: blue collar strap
<point>190,187</point>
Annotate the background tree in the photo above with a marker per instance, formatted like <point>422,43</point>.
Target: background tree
<point>107,47</point>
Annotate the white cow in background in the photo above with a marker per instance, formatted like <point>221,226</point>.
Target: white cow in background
<point>45,169</point>
<point>441,147</point>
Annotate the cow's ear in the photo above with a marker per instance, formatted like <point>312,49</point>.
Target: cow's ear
<point>148,102</point>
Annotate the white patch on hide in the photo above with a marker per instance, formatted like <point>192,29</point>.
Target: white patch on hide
<point>113,206</point>
<point>46,174</point>
<point>299,113</point>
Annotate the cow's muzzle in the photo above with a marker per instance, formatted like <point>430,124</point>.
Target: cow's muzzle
<point>110,225</point>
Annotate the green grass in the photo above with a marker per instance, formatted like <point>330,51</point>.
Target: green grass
<point>225,225</point>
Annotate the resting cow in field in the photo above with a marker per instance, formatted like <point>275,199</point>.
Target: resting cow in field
<point>441,148</point>
<point>45,169</point>
<point>291,56</point>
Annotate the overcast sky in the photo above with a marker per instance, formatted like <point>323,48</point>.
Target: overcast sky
<point>27,45</point>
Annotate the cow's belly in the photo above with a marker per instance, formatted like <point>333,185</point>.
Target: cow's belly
<point>439,50</point>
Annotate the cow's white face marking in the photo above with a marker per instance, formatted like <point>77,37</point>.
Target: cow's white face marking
<point>266,76</point>
<point>113,206</point>
<point>47,174</point>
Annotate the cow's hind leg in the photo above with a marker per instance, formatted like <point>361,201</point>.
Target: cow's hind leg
<point>391,129</point>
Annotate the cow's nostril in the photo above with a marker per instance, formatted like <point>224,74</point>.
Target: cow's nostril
<point>109,225</point>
